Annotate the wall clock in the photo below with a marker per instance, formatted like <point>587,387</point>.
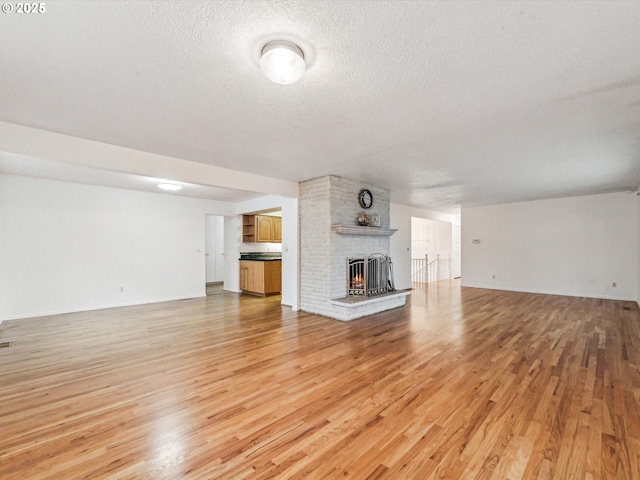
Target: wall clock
<point>366,199</point>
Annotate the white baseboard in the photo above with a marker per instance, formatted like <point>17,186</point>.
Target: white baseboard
<point>96,307</point>
<point>560,293</point>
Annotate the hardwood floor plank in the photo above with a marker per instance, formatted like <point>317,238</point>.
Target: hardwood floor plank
<point>461,383</point>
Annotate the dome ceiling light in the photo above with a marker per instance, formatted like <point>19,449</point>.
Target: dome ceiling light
<point>282,62</point>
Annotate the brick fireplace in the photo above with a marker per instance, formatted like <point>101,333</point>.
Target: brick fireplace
<point>329,236</point>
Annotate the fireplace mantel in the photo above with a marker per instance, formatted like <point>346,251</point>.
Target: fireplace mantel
<point>357,230</point>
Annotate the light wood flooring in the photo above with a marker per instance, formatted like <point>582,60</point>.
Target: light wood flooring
<point>214,288</point>
<point>461,383</point>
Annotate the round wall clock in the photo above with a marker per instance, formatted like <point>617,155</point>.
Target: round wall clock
<point>366,199</point>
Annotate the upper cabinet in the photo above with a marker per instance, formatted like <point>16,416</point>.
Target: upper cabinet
<point>265,227</point>
<point>276,230</point>
<point>261,228</point>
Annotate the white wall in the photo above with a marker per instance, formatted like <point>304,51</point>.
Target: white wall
<point>572,246</point>
<point>290,260</point>
<point>456,250</point>
<point>214,248</point>
<point>401,240</point>
<point>68,247</point>
<point>232,236</point>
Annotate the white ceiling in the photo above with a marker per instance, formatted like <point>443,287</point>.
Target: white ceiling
<point>443,103</point>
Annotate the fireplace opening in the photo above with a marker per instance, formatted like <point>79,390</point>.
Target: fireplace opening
<point>369,276</point>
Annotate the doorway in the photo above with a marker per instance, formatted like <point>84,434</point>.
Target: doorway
<point>435,250</point>
<point>214,253</point>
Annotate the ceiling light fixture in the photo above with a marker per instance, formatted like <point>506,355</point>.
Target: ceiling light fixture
<point>170,187</point>
<point>282,62</point>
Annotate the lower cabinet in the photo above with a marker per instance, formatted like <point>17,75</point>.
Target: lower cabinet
<point>260,277</point>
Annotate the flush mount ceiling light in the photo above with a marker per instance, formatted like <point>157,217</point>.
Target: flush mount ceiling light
<point>282,62</point>
<point>170,187</point>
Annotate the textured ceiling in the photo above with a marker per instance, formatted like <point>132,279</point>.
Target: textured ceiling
<point>443,103</point>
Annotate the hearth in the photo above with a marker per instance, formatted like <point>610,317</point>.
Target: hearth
<point>369,276</point>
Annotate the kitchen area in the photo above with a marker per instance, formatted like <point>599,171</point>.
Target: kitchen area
<point>258,247</point>
<point>261,254</point>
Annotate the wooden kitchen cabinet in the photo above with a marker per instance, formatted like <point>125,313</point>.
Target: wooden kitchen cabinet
<point>261,228</point>
<point>261,277</point>
<point>276,230</point>
<point>264,228</point>
<point>244,276</point>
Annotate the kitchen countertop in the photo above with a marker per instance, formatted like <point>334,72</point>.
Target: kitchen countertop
<point>261,256</point>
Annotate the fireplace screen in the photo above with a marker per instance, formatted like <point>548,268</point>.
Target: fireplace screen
<point>369,276</point>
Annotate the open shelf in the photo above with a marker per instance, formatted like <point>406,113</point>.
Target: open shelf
<point>248,228</point>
